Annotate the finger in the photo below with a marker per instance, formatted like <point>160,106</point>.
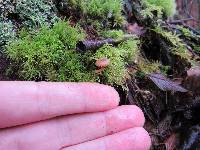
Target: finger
<point>71,130</point>
<point>25,102</point>
<point>132,139</point>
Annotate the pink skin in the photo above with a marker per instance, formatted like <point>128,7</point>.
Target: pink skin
<point>132,139</point>
<point>29,110</point>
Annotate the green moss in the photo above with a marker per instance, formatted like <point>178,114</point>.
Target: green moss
<point>169,6</point>
<point>129,50</point>
<point>119,56</point>
<point>68,35</point>
<point>151,11</point>
<point>178,47</point>
<point>115,72</point>
<point>197,48</point>
<point>186,32</point>
<point>30,14</point>
<point>99,9</point>
<point>148,67</point>
<point>164,69</point>
<point>107,8</point>
<point>189,35</point>
<point>49,55</point>
<point>115,34</point>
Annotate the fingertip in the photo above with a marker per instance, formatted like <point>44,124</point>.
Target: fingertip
<point>113,94</point>
<point>132,139</point>
<point>104,97</point>
<point>140,137</point>
<point>123,117</point>
<point>140,115</point>
<point>135,114</point>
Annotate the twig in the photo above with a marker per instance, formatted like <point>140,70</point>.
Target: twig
<point>180,20</point>
<point>83,46</point>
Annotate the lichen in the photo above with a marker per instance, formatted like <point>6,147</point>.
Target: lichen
<point>7,32</point>
<point>36,13</point>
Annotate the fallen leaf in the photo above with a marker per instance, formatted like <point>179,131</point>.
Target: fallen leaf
<point>166,84</point>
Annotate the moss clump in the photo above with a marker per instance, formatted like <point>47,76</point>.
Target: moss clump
<point>169,6</point>
<point>151,11</point>
<point>129,50</point>
<point>177,45</point>
<point>149,67</point>
<point>99,9</point>
<point>146,67</point>
<point>119,56</point>
<point>197,48</point>
<point>193,38</point>
<point>115,72</point>
<point>186,32</point>
<point>49,55</point>
<point>115,34</point>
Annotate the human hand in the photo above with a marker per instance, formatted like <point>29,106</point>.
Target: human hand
<point>68,116</point>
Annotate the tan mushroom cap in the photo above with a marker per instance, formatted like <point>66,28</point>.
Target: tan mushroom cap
<point>102,62</point>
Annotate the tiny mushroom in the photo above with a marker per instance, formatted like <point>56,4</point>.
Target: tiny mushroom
<point>102,62</point>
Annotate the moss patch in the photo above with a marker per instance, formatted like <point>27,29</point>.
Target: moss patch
<point>169,6</point>
<point>49,54</point>
<point>177,45</point>
<point>115,34</point>
<point>119,56</point>
<point>99,9</point>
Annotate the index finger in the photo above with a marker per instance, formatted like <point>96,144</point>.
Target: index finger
<point>26,102</point>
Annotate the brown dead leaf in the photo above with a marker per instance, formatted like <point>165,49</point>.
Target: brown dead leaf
<point>166,84</point>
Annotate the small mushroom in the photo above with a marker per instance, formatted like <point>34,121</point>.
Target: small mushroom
<point>102,62</point>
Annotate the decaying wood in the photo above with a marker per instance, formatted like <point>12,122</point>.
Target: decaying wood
<point>144,99</point>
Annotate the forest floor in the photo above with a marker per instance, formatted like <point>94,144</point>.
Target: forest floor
<point>152,62</point>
